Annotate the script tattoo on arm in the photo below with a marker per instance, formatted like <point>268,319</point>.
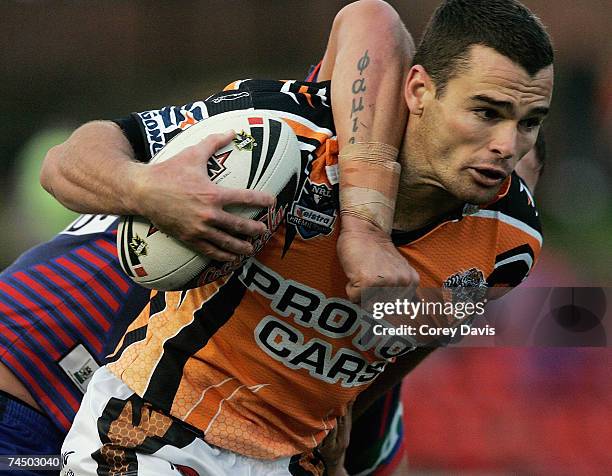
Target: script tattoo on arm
<point>358,90</point>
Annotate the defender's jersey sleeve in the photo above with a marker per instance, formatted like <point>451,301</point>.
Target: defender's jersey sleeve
<point>149,131</point>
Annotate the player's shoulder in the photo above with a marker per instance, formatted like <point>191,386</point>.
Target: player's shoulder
<point>282,93</point>
<point>517,203</point>
<point>297,99</point>
<point>306,104</point>
<point>279,85</point>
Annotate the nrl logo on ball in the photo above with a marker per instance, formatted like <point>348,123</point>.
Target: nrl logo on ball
<point>139,246</point>
<point>244,141</point>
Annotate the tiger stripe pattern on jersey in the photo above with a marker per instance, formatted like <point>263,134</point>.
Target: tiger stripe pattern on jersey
<point>264,361</point>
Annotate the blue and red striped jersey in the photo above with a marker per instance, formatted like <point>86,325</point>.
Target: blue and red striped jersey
<point>63,306</point>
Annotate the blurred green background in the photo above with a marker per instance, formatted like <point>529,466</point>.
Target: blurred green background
<point>66,62</point>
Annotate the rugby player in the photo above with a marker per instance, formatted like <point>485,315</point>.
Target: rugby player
<point>88,247</point>
<point>65,303</point>
<point>377,439</point>
<point>191,401</point>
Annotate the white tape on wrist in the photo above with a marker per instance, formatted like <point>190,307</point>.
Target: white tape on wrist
<point>369,179</point>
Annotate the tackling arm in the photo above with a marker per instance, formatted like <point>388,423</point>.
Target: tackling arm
<point>367,58</point>
<point>95,171</point>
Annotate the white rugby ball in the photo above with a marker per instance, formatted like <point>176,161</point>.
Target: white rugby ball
<point>265,155</point>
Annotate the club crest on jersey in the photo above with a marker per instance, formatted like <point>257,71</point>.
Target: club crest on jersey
<point>215,166</point>
<point>467,286</point>
<point>244,141</point>
<point>138,245</point>
<point>314,213</point>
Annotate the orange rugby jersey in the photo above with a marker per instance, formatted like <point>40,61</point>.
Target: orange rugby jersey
<point>264,360</point>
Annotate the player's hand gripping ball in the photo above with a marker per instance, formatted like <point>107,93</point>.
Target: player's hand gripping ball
<point>264,156</point>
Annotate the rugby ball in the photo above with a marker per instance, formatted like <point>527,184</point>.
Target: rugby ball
<point>264,155</point>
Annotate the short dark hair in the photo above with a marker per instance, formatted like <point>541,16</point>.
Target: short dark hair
<point>507,26</point>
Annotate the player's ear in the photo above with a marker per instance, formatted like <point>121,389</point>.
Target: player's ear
<point>417,89</point>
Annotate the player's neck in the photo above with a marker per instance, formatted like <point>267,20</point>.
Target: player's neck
<point>420,199</point>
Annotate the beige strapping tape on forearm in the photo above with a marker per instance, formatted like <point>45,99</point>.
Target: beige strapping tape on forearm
<point>369,178</point>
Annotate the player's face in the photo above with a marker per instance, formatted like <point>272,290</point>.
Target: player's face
<point>486,120</point>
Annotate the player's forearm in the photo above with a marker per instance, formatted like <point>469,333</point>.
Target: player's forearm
<point>392,375</point>
<point>367,59</point>
<point>94,171</point>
